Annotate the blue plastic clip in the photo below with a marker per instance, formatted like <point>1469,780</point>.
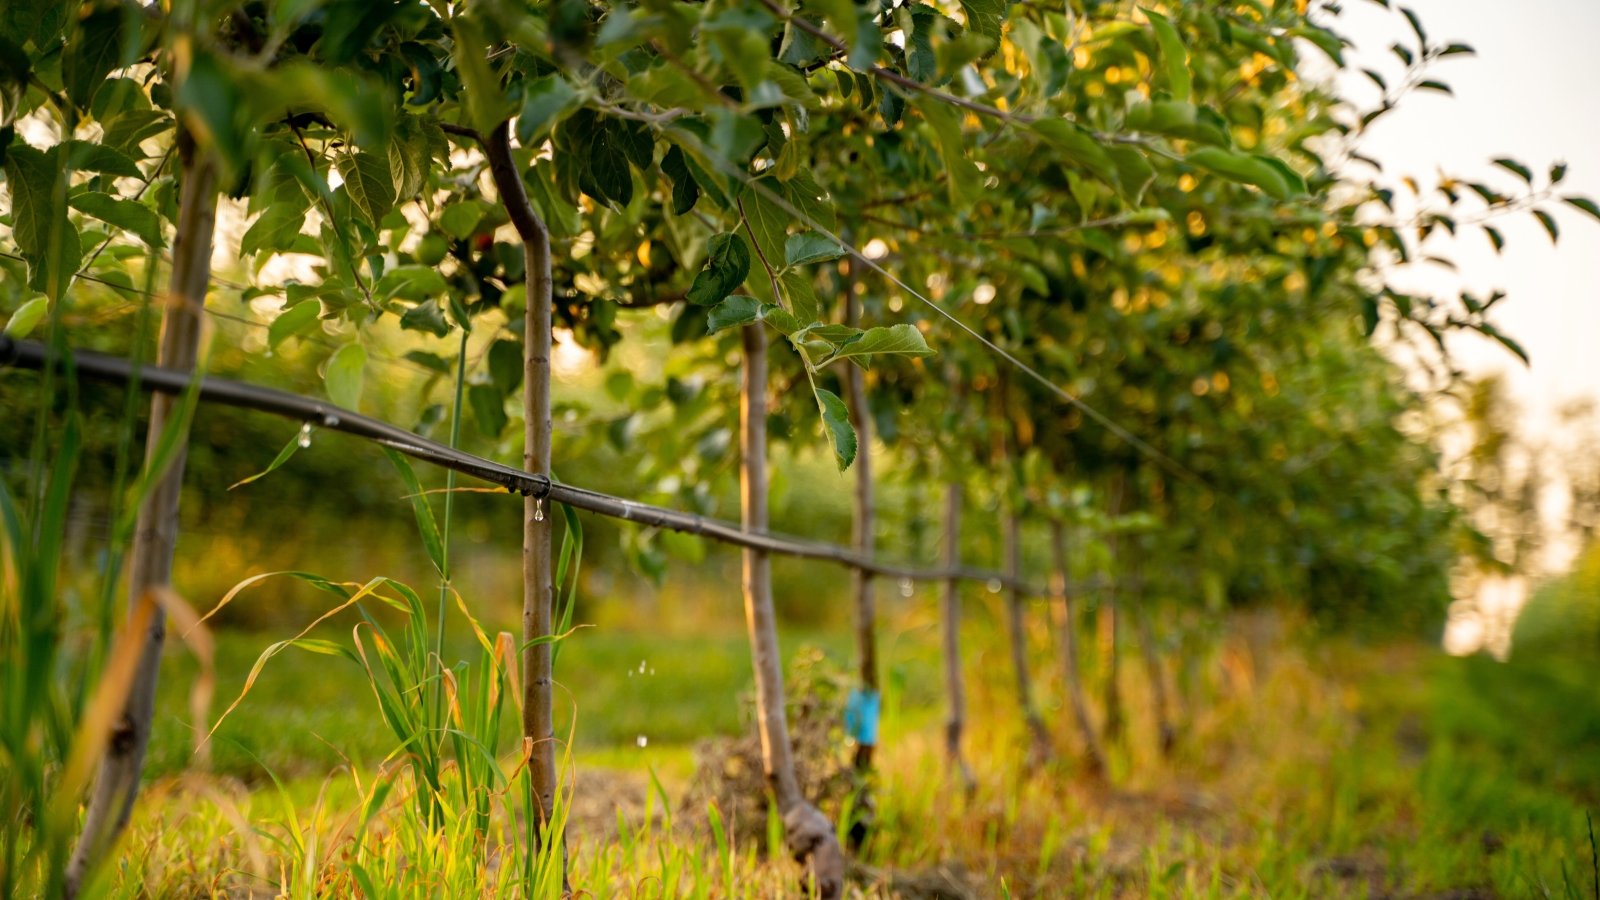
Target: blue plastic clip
<point>861,716</point>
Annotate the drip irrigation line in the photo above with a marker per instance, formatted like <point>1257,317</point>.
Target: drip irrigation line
<point>243,395</point>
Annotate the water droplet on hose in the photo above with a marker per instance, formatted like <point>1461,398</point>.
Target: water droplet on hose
<point>538,509</point>
<point>642,740</point>
<point>995,585</point>
<point>305,435</point>
<point>905,587</point>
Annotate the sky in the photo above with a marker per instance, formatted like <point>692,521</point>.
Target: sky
<point>1528,93</point>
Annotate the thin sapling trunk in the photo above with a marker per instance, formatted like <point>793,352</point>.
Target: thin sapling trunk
<point>950,615</point>
<point>1166,734</point>
<point>865,702</point>
<point>1115,722</point>
<point>807,832</point>
<point>1039,737</point>
<point>538,715</point>
<point>1094,758</point>
<point>156,532</point>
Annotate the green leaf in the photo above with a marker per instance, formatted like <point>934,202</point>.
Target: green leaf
<point>274,230</point>
<point>427,526</point>
<point>1080,147</point>
<point>289,450</point>
<point>297,319</point>
<point>410,282</point>
<point>370,184</point>
<point>812,200</point>
<point>460,219</point>
<point>92,157</point>
<point>799,289</point>
<point>1134,172</point>
<point>31,177</point>
<point>964,179</point>
<point>211,99</point>
<point>592,155</point>
<point>921,61</point>
<point>810,247</point>
<point>344,375</point>
<point>1495,237</point>
<point>1416,26</point>
<point>1587,206</point>
<point>1516,168</point>
<point>685,190</point>
<point>1549,223</point>
<point>1508,342</point>
<point>426,316</point>
<point>1174,61</point>
<point>14,75</point>
<point>895,340</point>
<point>1241,168</point>
<point>354,99</point>
<point>129,215</point>
<point>488,409</point>
<point>985,17</point>
<point>545,102</point>
<point>506,365</point>
<point>836,422</point>
<point>485,102</point>
<point>727,265</point>
<point>431,361</point>
<point>1180,120</point>
<point>39,223</point>
<point>93,50</point>
<point>1325,40</point>
<point>768,222</point>
<point>27,317</point>
<point>735,311</point>
<point>410,155</point>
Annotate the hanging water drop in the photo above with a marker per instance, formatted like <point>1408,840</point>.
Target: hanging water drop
<point>905,587</point>
<point>538,509</point>
<point>305,435</point>
<point>995,585</point>
<point>642,741</point>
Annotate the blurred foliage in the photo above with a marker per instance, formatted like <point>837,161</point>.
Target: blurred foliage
<point>1563,618</point>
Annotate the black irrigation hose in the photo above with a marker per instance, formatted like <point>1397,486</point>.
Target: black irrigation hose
<point>104,367</point>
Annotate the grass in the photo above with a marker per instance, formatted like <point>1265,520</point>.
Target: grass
<point>1334,769</point>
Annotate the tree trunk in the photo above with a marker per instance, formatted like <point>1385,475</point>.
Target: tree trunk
<point>955,682</point>
<point>1115,723</point>
<point>156,533</point>
<point>807,832</point>
<point>866,701</point>
<point>1094,759</point>
<point>862,539</point>
<point>1166,734</point>
<point>538,715</point>
<point>1039,737</point>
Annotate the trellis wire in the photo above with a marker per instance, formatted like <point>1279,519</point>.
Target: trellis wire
<point>226,392</point>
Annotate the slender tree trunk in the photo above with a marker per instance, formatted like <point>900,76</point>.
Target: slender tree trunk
<point>156,534</point>
<point>1115,722</point>
<point>865,703</point>
<point>538,714</point>
<point>1094,759</point>
<point>1166,734</point>
<point>955,681</point>
<point>862,532</point>
<point>1039,737</point>
<point>807,832</point>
